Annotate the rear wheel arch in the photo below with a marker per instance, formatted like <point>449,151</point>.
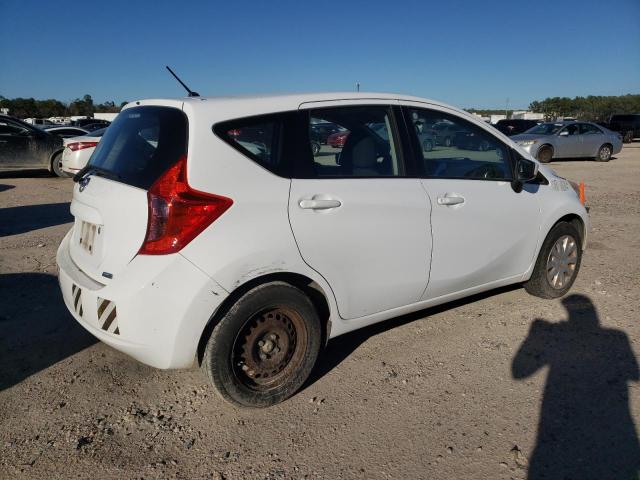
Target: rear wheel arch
<point>308,286</point>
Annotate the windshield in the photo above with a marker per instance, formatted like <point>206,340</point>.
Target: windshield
<point>141,144</point>
<point>545,129</point>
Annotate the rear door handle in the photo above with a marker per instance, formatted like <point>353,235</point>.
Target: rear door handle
<point>450,200</point>
<point>319,204</point>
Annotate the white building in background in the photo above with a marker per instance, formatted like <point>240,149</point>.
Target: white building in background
<point>110,117</point>
<point>484,119</point>
<point>526,115</point>
<point>496,118</point>
<point>4,111</point>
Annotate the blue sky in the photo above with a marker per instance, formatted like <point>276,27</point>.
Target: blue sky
<point>467,53</point>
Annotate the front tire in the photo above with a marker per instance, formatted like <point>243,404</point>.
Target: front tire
<point>427,146</point>
<point>545,154</point>
<point>558,262</point>
<point>604,153</point>
<point>264,347</point>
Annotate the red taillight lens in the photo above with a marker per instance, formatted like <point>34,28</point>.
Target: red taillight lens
<point>177,213</point>
<point>81,145</point>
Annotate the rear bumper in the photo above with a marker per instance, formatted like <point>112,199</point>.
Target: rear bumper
<point>155,310</point>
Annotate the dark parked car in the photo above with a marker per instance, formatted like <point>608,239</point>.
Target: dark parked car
<point>515,126</point>
<point>96,126</point>
<point>320,131</point>
<point>89,121</point>
<point>627,125</point>
<point>466,140</point>
<point>25,147</point>
<point>444,133</point>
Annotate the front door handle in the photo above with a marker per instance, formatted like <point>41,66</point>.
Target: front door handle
<point>319,204</point>
<point>450,200</point>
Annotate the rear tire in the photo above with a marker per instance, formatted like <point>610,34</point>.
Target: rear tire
<point>604,153</point>
<point>56,166</point>
<point>628,137</point>
<point>427,146</point>
<point>545,154</point>
<point>541,284</point>
<point>264,347</point>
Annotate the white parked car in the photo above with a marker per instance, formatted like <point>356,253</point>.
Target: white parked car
<point>206,230</point>
<point>78,150</point>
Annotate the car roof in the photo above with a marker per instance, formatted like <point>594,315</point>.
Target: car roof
<point>247,105</point>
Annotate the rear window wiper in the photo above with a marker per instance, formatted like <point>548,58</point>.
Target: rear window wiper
<point>92,169</point>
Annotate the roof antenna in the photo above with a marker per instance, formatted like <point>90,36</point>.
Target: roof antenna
<point>357,86</point>
<point>191,92</point>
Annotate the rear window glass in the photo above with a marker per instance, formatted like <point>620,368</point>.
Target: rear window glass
<point>141,144</point>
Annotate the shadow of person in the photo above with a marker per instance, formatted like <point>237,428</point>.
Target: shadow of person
<point>585,430</point>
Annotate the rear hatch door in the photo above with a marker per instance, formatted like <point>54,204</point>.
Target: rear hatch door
<point>110,197</point>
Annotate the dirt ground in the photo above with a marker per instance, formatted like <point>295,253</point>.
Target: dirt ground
<point>484,388</point>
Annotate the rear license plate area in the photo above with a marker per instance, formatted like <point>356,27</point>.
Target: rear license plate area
<point>88,233</point>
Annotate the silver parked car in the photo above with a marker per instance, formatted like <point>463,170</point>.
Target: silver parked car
<point>569,140</point>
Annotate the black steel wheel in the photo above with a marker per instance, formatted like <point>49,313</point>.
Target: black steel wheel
<point>264,347</point>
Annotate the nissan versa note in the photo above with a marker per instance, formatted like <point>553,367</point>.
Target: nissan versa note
<point>207,231</point>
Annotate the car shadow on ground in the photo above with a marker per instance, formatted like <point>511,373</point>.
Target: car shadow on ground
<point>36,330</point>
<point>585,428</point>
<point>4,187</point>
<point>26,174</point>
<point>22,219</point>
<point>338,349</point>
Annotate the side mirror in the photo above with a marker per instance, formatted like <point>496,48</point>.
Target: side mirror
<point>564,133</point>
<point>526,170</point>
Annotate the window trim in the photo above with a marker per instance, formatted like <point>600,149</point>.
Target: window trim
<point>419,159</point>
<point>300,172</point>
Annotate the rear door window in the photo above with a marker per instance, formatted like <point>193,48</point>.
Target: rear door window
<point>363,143</point>
<point>588,129</point>
<point>141,144</point>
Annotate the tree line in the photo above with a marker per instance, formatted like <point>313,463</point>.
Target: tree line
<point>594,108</point>
<point>32,108</point>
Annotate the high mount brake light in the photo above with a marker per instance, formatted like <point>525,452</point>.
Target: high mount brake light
<point>178,213</point>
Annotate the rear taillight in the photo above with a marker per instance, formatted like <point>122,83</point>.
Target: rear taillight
<point>81,145</point>
<point>177,213</point>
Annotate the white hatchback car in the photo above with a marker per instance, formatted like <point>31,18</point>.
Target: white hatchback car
<point>207,230</point>
<point>78,150</point>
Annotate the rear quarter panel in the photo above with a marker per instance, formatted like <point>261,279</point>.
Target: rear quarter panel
<point>253,238</point>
